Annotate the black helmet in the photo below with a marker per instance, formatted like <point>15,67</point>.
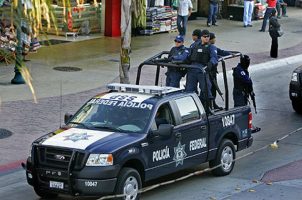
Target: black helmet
<point>197,32</point>
<point>245,61</point>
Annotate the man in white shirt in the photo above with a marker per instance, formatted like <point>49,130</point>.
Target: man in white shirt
<point>183,12</point>
<point>247,13</point>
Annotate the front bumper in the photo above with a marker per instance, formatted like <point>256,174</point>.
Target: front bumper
<point>90,181</point>
<point>295,91</point>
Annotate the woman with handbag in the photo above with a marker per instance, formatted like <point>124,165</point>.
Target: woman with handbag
<point>274,32</point>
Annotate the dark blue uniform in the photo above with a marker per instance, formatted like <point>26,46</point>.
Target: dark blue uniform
<point>222,53</point>
<point>201,56</point>
<point>243,85</point>
<point>194,43</point>
<point>174,75</point>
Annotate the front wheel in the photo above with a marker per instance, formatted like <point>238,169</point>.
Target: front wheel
<point>129,183</point>
<point>225,158</point>
<point>297,106</point>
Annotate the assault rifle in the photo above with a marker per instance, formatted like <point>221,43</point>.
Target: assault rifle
<point>252,94</point>
<point>214,82</point>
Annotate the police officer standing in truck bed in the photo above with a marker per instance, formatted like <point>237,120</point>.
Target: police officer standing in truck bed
<point>178,53</point>
<point>203,55</point>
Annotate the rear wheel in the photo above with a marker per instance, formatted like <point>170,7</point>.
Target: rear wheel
<point>129,183</point>
<point>225,158</point>
<point>297,106</point>
<point>44,193</point>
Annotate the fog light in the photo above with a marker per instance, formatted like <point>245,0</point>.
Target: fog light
<point>294,94</point>
<point>29,175</point>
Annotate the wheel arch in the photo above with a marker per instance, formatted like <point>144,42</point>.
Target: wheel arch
<point>231,135</point>
<point>137,165</point>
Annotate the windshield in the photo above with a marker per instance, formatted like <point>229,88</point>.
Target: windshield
<point>113,115</point>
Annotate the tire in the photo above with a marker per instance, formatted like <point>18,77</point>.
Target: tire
<point>297,106</point>
<point>225,156</point>
<point>129,183</point>
<point>44,193</point>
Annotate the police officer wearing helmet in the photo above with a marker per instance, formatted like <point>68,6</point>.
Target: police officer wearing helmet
<point>243,85</point>
<point>196,36</point>
<point>202,55</point>
<point>178,53</point>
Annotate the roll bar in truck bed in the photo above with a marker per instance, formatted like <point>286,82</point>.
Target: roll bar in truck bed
<point>156,61</point>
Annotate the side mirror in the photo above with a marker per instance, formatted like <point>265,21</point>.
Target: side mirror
<point>164,130</point>
<point>67,117</point>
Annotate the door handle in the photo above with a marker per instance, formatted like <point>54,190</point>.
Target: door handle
<point>204,127</point>
<point>178,135</point>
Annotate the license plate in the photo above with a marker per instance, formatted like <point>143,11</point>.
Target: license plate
<point>55,184</point>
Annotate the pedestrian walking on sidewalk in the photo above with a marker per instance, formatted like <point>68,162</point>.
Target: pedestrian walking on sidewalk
<point>183,13</point>
<point>274,27</point>
<point>213,8</point>
<point>247,13</point>
<point>271,5</point>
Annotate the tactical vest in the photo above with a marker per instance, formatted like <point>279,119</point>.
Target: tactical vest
<point>200,54</point>
<point>177,51</point>
<point>174,52</point>
<point>238,83</point>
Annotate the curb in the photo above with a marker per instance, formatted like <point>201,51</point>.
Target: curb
<point>277,63</point>
<point>11,166</point>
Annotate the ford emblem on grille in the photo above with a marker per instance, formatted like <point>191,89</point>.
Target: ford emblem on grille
<point>59,157</point>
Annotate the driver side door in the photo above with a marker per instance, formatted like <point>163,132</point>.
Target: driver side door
<point>159,151</point>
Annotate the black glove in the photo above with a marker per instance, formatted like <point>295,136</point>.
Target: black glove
<point>164,60</point>
<point>252,93</point>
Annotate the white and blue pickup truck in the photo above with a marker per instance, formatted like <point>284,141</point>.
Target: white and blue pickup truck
<point>131,134</point>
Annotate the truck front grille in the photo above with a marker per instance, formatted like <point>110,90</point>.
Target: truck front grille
<point>57,164</point>
<point>59,158</point>
<point>54,158</point>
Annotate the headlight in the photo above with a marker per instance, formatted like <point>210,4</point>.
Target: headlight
<point>295,76</point>
<point>30,150</point>
<point>100,160</point>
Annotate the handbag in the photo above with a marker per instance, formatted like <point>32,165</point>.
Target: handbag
<point>280,32</point>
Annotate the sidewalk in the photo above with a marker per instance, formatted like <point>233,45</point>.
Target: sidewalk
<point>98,60</point>
<point>98,57</point>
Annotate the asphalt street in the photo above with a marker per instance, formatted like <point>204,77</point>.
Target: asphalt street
<point>275,117</point>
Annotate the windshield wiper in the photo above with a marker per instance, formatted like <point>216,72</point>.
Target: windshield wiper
<point>79,123</point>
<point>107,127</point>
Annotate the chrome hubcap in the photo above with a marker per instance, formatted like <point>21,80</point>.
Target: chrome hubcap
<point>227,158</point>
<point>130,188</point>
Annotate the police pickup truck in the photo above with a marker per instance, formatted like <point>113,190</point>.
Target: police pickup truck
<point>132,134</point>
<point>295,90</point>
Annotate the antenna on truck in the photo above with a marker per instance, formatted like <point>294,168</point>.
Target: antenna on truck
<point>61,103</point>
